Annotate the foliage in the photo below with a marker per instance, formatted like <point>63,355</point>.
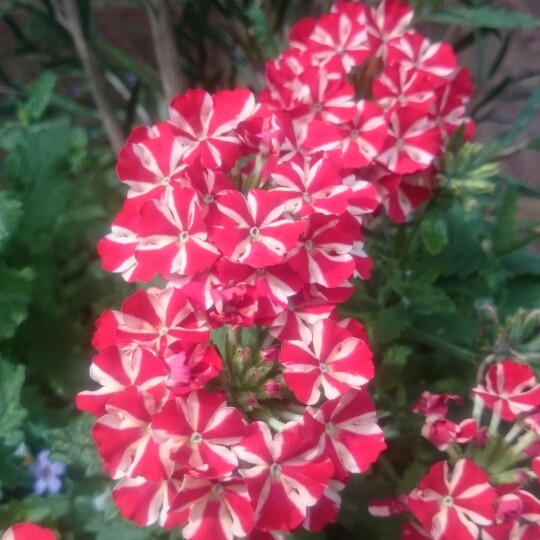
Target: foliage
<point>455,284</point>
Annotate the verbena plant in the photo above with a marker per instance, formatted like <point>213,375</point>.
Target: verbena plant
<point>452,295</point>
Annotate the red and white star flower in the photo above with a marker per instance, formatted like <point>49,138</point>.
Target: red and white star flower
<point>204,124</point>
<point>218,508</point>
<point>287,475</point>
<point>150,161</point>
<point>116,369</point>
<point>173,236</point>
<point>155,318</point>
<point>149,501</point>
<point>253,230</point>
<point>346,431</point>
<point>200,428</point>
<point>334,361</point>
<point>511,388</point>
<point>453,504</point>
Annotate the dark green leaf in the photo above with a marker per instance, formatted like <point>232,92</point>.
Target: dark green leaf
<point>505,220</point>
<point>15,287</point>
<point>389,324</point>
<point>262,31</point>
<point>411,476</point>
<point>484,17</point>
<point>522,120</point>
<point>12,413</point>
<point>533,144</point>
<point>74,445</point>
<point>397,356</point>
<point>434,232</point>
<point>40,95</point>
<point>10,214</point>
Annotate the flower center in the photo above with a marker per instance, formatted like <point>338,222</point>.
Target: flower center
<point>45,473</point>
<point>196,438</point>
<point>330,429</point>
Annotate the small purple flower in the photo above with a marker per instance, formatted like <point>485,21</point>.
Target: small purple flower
<point>47,474</point>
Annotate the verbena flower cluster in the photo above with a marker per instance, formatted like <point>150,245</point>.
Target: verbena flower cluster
<point>487,488</point>
<point>233,398</point>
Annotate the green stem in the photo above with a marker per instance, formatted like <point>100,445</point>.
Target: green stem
<point>389,469</point>
<point>438,343</point>
<point>414,232</point>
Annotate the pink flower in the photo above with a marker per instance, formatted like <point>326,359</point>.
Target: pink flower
<point>451,505</point>
<point>156,318</point>
<point>28,531</point>
<point>234,304</point>
<point>173,237</point>
<point>311,184</point>
<point>199,427</point>
<point>286,478</point>
<point>413,531</point>
<point>323,253</point>
<point>150,160</point>
<point>253,229</point>
<point>442,432</point>
<point>326,509</point>
<point>218,509</point>
<point>511,388</point>
<point>205,124</point>
<point>116,369</point>
<point>334,360</point>
<point>149,501</point>
<point>413,141</point>
<point>124,440</point>
<point>430,404</point>
<point>333,39</point>
<point>346,431</point>
<point>117,249</point>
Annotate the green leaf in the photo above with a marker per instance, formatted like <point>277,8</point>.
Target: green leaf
<point>434,232</point>
<point>397,356</point>
<point>411,476</point>
<point>522,120</point>
<point>533,144</point>
<point>430,300</point>
<point>10,214</point>
<point>505,220</point>
<point>262,31</point>
<point>390,323</point>
<point>74,445</point>
<point>15,295</point>
<point>484,17</point>
<point>12,413</point>
<point>40,95</point>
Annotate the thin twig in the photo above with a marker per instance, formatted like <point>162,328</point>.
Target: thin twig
<point>95,75</point>
<point>165,48</point>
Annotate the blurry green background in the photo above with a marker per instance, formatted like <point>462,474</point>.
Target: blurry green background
<point>77,76</point>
